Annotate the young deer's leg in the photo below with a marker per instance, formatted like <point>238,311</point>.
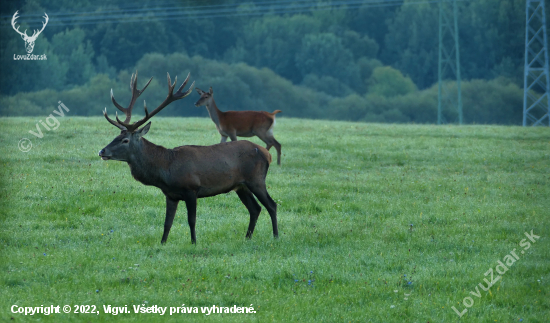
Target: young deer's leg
<point>171,208</point>
<point>224,139</point>
<point>191,203</point>
<point>233,136</point>
<point>270,142</point>
<point>278,147</point>
<point>253,208</point>
<point>261,193</point>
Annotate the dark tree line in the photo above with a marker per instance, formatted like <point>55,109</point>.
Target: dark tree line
<point>355,62</point>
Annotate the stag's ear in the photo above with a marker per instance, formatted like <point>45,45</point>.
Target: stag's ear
<point>23,36</point>
<point>211,91</point>
<point>143,131</point>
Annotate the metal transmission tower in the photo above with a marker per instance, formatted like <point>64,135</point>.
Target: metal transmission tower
<point>449,60</point>
<point>536,85</point>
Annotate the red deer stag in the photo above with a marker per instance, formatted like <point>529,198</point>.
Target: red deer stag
<point>241,123</point>
<point>187,173</point>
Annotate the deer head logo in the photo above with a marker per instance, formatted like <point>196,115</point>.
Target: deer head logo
<point>29,41</point>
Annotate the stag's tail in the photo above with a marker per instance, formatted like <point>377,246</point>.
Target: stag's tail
<point>265,154</point>
<point>276,111</point>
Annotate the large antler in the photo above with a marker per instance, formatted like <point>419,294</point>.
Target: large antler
<point>135,94</point>
<point>24,34</point>
<point>34,35</point>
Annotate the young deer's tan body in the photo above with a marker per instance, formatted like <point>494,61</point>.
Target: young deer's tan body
<point>235,124</point>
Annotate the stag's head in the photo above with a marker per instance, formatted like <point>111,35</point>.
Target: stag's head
<point>128,142</point>
<point>29,40</point>
<point>206,97</point>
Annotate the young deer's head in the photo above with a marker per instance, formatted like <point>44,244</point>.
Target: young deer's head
<point>206,97</point>
<point>128,143</point>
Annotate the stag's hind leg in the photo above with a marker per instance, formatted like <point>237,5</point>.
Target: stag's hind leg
<point>253,208</point>
<point>260,191</point>
<point>191,203</point>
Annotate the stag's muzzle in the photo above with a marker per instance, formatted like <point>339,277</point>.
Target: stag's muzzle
<point>102,155</point>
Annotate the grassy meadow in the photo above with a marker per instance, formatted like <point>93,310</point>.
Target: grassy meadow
<point>377,223</point>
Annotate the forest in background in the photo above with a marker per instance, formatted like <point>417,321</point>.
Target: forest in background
<point>372,61</point>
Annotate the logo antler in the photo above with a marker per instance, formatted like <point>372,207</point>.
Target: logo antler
<point>29,41</point>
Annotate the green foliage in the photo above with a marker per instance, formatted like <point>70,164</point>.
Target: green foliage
<point>236,86</point>
<point>85,100</point>
<point>324,54</point>
<point>391,97</point>
<point>412,43</point>
<point>497,29</point>
<point>273,41</point>
<point>72,48</point>
<point>389,82</point>
<point>360,46</point>
<point>125,44</point>
<point>497,101</point>
<point>327,84</point>
<point>353,106</point>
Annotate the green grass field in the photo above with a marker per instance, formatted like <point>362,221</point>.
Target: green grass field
<point>377,223</point>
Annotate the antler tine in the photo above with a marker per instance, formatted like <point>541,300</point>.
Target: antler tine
<point>132,82</point>
<point>135,94</point>
<point>117,119</point>
<point>170,85</point>
<point>114,123</point>
<point>169,99</point>
<point>43,25</point>
<point>35,31</point>
<point>184,83</point>
<point>116,103</point>
<point>13,24</point>
<point>186,93</point>
<point>145,108</point>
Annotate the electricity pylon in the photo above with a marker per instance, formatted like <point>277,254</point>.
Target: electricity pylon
<point>536,84</point>
<point>449,60</point>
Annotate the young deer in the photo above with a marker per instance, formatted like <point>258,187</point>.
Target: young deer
<point>241,123</point>
<point>187,173</point>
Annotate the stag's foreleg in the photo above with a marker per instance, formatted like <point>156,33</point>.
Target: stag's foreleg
<point>260,191</point>
<point>253,208</point>
<point>171,208</point>
<point>224,139</point>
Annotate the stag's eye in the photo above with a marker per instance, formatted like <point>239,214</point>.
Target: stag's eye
<point>125,140</point>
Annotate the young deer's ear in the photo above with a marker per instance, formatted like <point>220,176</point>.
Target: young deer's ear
<point>143,131</point>
<point>211,91</point>
<point>199,91</point>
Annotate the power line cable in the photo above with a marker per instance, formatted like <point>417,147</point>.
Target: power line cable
<point>185,13</point>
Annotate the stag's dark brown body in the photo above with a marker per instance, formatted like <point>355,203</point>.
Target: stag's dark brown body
<point>187,173</point>
<point>182,169</point>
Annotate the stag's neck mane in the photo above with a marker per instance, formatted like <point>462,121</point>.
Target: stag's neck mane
<point>214,112</point>
<point>150,163</point>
